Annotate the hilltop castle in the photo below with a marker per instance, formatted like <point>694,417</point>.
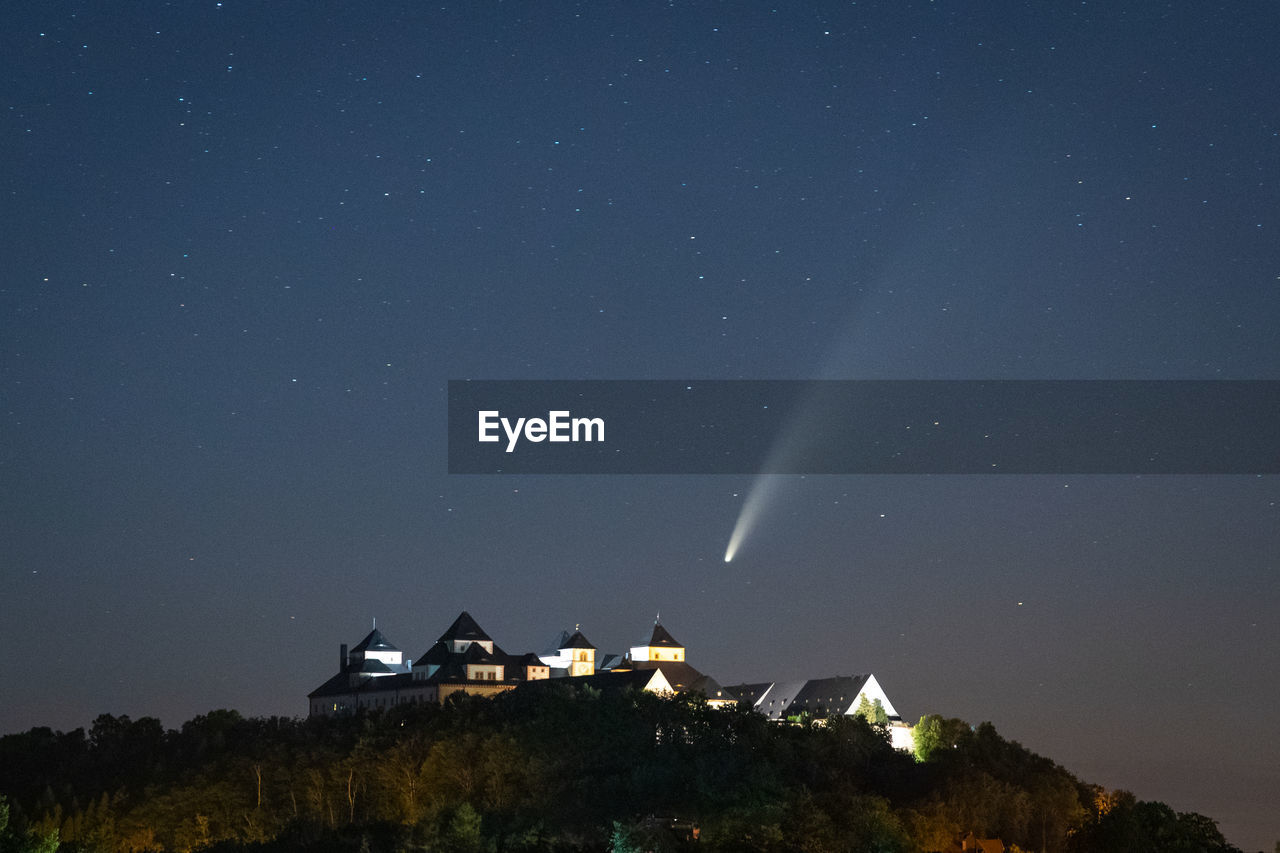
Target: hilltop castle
<point>374,674</point>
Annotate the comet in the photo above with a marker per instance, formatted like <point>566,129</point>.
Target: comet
<point>791,440</point>
<point>751,509</point>
<point>769,481</point>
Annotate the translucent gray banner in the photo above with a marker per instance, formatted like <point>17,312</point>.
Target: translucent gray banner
<point>864,427</point>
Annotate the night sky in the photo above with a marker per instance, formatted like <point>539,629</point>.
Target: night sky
<point>245,246</point>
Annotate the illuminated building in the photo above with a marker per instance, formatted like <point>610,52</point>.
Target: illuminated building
<point>374,675</point>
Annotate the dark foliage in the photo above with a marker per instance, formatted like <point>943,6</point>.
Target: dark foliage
<point>559,767</point>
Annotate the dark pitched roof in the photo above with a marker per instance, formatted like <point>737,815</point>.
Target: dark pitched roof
<point>453,671</point>
<point>477,653</point>
<point>437,654</point>
<point>340,683</point>
<point>829,695</point>
<point>451,667</point>
<point>634,680</point>
<point>681,676</point>
<point>711,688</point>
<point>819,696</point>
<point>663,639</point>
<point>347,683</point>
<point>577,641</point>
<point>375,642</point>
<point>773,698</point>
<point>750,692</point>
<point>465,628</point>
<point>371,666</point>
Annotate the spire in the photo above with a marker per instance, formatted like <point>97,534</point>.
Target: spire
<point>374,641</point>
<point>662,638</point>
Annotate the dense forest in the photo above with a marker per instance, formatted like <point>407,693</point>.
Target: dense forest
<point>561,768</point>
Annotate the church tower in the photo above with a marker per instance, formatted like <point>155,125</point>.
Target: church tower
<point>580,653</point>
<point>661,647</point>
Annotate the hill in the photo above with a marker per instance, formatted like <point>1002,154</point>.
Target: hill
<point>563,768</point>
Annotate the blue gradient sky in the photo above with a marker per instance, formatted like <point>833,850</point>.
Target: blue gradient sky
<point>246,245</point>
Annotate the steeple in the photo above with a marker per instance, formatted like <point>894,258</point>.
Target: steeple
<point>371,653</point>
<point>579,652</point>
<point>661,646</point>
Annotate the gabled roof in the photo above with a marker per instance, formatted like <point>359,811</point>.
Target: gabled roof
<point>577,641</point>
<point>653,681</point>
<point>679,674</point>
<point>774,700</point>
<point>435,656</point>
<point>374,642</point>
<point>817,696</point>
<point>465,628</point>
<point>829,695</point>
<point>613,662</point>
<point>711,688</point>
<point>451,666</point>
<point>751,692</point>
<point>663,639</point>
<point>477,653</point>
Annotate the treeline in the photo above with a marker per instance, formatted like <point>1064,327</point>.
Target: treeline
<point>561,768</point>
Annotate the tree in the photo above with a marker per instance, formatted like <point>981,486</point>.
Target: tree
<point>23,842</point>
<point>464,835</point>
<point>1145,827</point>
<point>934,735</point>
<point>644,836</point>
<point>399,773</point>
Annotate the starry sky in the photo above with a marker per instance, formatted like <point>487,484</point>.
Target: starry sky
<point>246,245</point>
